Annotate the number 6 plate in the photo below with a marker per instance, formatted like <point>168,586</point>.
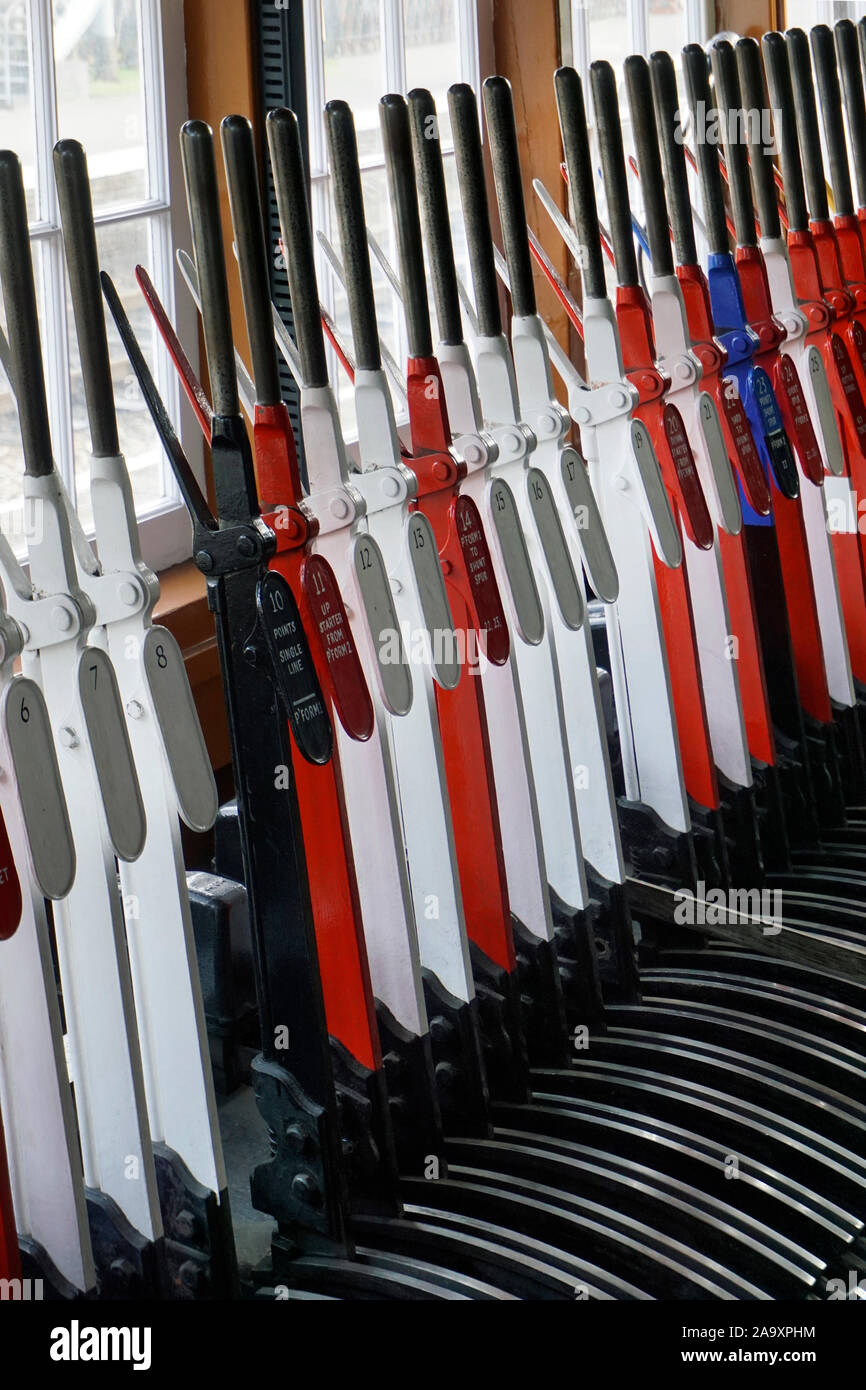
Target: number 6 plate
<point>40,790</point>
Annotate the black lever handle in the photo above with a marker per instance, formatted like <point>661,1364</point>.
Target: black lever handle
<point>290,186</point>
<point>349,202</point>
<point>394,120</point>
<point>22,321</point>
<point>239,155</point>
<point>729,101</point>
<point>187,482</point>
<point>199,167</point>
<point>754,95</point>
<point>667,113</point>
<point>827,81</point>
<point>640,100</point>
<point>82,262</point>
<point>435,219</point>
<point>696,73</point>
<point>501,128</point>
<point>581,178</point>
<point>782,97</point>
<point>848,54</point>
<point>603,81</point>
<point>466,130</point>
<point>806,112</point>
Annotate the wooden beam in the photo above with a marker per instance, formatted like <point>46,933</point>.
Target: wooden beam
<point>748,17</point>
<point>526,51</point>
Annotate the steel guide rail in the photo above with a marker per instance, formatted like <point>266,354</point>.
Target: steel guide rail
<point>97,770</point>
<point>176,779</point>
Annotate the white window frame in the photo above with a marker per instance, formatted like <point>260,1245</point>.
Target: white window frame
<point>164,527</point>
<point>700,24</point>
<point>392,79</point>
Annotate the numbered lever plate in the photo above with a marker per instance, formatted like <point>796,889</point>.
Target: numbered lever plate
<point>591,537</point>
<point>40,790</point>
<point>174,708</point>
<point>720,464</point>
<point>565,583</point>
<point>848,382</point>
<point>10,887</point>
<point>483,594</point>
<point>112,754</point>
<point>528,613</point>
<point>798,420</point>
<point>659,515</point>
<point>781,458</point>
<point>748,460</point>
<point>433,598</point>
<point>858,338</point>
<point>392,668</point>
<point>330,624</point>
<point>294,673</point>
<point>684,482</point>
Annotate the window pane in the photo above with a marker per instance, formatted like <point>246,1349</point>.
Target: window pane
<point>666,25</point>
<point>432,54</point>
<point>802,14</point>
<point>100,98</point>
<point>121,246</point>
<point>17,120</point>
<point>609,35</point>
<point>353,64</point>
